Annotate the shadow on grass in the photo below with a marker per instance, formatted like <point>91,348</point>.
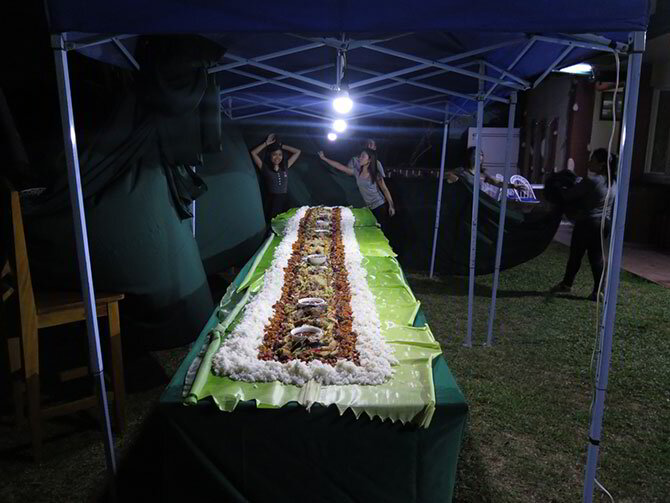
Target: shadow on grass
<point>472,479</point>
<point>139,476</point>
<point>457,286</point>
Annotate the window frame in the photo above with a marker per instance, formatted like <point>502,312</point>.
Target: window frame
<point>653,119</point>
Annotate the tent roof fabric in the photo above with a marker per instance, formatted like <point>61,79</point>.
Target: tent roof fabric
<point>335,16</point>
<point>383,34</point>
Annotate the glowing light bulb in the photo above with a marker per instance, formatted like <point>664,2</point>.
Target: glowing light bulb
<point>342,103</point>
<point>332,136</point>
<point>340,125</point>
<point>578,69</point>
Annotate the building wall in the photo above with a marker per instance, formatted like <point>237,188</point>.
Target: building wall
<point>580,124</point>
<point>660,75</point>
<point>648,216</point>
<point>602,129</point>
<point>548,101</point>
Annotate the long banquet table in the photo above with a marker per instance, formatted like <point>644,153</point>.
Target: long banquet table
<point>327,453</point>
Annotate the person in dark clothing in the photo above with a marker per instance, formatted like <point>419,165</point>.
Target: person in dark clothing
<point>274,173</point>
<point>585,203</point>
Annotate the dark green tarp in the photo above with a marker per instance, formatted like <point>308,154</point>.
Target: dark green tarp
<point>229,217</point>
<point>138,247</point>
<point>528,228</point>
<point>131,162</point>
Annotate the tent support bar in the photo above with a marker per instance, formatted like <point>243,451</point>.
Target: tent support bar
<point>392,109</point>
<point>397,109</point>
<point>475,211</point>
<point>398,105</point>
<point>599,40</point>
<point>614,259</point>
<point>402,81</point>
<point>412,103</point>
<point>575,43</point>
<point>417,105</point>
<point>551,67</point>
<point>81,241</point>
<point>275,109</point>
<point>92,41</point>
<point>349,45</point>
<point>265,80</point>
<point>227,106</point>
<point>437,64</point>
<point>505,73</point>
<point>126,53</point>
<point>501,221</point>
<point>512,65</point>
<point>264,57</point>
<point>397,83</point>
<point>257,83</point>
<point>279,71</point>
<point>445,135</point>
<point>255,101</point>
<point>432,88</point>
<point>415,83</point>
<point>357,44</point>
<point>448,59</point>
<point>339,67</point>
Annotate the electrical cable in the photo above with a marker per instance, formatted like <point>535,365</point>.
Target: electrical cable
<point>603,220</point>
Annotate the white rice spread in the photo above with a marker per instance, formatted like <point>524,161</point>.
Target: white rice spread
<point>237,357</point>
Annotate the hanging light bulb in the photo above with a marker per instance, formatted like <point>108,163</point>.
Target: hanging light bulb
<point>340,125</point>
<point>342,102</point>
<point>332,136</point>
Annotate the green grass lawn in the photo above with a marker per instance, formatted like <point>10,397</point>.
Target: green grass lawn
<point>529,394</point>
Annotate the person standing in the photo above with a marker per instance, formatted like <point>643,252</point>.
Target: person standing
<point>274,171</point>
<point>369,176</point>
<point>586,203</point>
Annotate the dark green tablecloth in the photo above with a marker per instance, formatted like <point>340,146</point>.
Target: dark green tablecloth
<point>292,455</point>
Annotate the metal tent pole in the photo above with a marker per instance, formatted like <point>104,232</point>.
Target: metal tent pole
<point>445,135</point>
<point>475,208</point>
<point>501,221</point>
<point>616,248</point>
<point>81,240</point>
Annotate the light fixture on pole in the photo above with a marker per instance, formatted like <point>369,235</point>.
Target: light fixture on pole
<point>332,136</point>
<point>578,69</point>
<point>339,125</point>
<point>342,102</point>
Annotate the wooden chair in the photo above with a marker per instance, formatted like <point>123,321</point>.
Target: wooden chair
<point>47,309</point>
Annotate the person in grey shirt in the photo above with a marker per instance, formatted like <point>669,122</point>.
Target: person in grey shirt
<point>369,175</point>
<point>587,203</point>
<point>274,173</point>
